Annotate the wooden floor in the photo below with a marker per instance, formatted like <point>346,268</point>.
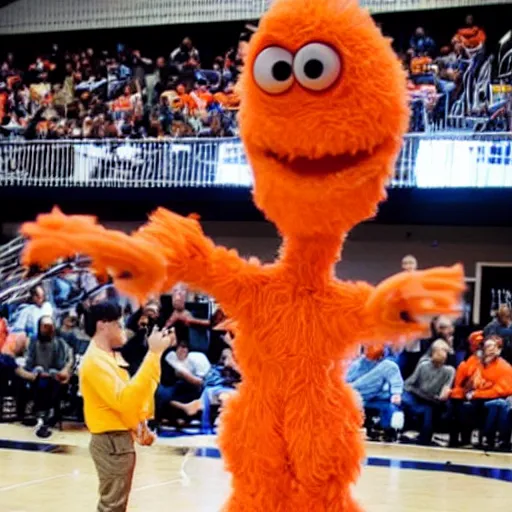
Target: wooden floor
<point>177,475</point>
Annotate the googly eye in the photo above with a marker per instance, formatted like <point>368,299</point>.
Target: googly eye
<point>272,70</point>
<point>317,66</point>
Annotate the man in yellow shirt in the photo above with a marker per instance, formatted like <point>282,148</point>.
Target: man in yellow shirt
<point>116,407</point>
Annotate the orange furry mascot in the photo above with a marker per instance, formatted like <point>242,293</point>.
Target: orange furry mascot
<point>322,117</point>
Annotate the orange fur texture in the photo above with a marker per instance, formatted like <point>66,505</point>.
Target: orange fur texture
<point>321,160</point>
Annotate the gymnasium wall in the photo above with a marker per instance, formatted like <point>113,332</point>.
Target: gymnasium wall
<point>372,251</point>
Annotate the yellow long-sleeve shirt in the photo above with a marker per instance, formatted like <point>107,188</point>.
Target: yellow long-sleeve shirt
<point>113,401</point>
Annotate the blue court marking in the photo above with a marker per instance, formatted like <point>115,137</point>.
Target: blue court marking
<point>505,475</point>
<point>502,474</point>
<point>30,446</point>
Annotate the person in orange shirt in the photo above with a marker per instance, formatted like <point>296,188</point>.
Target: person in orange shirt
<point>463,378</point>
<point>186,100</point>
<point>202,97</point>
<point>228,98</point>
<point>420,64</point>
<point>471,36</point>
<point>491,379</point>
<point>116,407</point>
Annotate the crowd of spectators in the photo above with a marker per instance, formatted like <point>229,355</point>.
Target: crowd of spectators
<point>436,72</point>
<point>41,350</point>
<point>442,387</point>
<point>94,94</point>
<point>88,93</point>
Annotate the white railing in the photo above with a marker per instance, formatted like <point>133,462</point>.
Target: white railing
<point>447,159</point>
<point>26,16</point>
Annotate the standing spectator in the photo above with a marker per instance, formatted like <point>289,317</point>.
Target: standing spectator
<point>185,55</point>
<point>420,43</point>
<point>181,319</point>
<point>471,36</point>
<point>491,379</point>
<point>428,389</point>
<point>411,353</point>
<point>51,360</point>
<point>28,315</point>
<point>380,384</point>
<point>502,326</point>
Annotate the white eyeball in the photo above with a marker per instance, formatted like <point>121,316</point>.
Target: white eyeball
<point>317,66</point>
<point>272,70</point>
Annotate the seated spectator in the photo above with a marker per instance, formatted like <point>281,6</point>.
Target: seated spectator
<point>428,389</point>
<point>420,43</point>
<point>466,370</point>
<point>380,385</point>
<point>421,64</point>
<point>470,36</point>
<point>502,326</point>
<point>50,359</point>
<point>27,316</point>
<point>219,384</point>
<point>488,379</point>
<point>186,383</point>
<point>12,374</point>
<point>74,336</point>
<point>442,329</point>
<point>228,98</point>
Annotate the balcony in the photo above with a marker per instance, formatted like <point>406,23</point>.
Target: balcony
<point>448,160</point>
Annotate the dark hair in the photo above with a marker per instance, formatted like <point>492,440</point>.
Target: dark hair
<point>184,344</point>
<point>33,290</point>
<point>105,311</point>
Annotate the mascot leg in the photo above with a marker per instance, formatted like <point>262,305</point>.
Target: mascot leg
<point>327,450</point>
<point>255,454</point>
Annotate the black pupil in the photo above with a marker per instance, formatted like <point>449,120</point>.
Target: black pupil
<point>281,71</point>
<point>313,69</point>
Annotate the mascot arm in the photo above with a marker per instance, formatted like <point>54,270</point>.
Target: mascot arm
<point>168,249</point>
<point>193,258</point>
<point>402,306</point>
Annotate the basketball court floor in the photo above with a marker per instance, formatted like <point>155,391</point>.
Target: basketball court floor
<point>185,474</point>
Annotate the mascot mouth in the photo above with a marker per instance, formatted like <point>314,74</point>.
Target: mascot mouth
<point>327,164</point>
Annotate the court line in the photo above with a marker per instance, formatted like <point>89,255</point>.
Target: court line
<point>184,480</point>
<point>34,482</point>
<point>158,484</point>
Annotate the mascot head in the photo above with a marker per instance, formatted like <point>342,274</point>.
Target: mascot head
<point>322,116</point>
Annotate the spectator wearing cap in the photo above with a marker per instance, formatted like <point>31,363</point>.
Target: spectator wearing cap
<point>50,359</point>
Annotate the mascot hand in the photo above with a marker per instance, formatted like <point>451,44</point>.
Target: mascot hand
<point>137,267</point>
<point>406,303</point>
<point>182,243</point>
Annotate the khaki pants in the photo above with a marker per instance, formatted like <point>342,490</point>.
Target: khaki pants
<point>113,454</point>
